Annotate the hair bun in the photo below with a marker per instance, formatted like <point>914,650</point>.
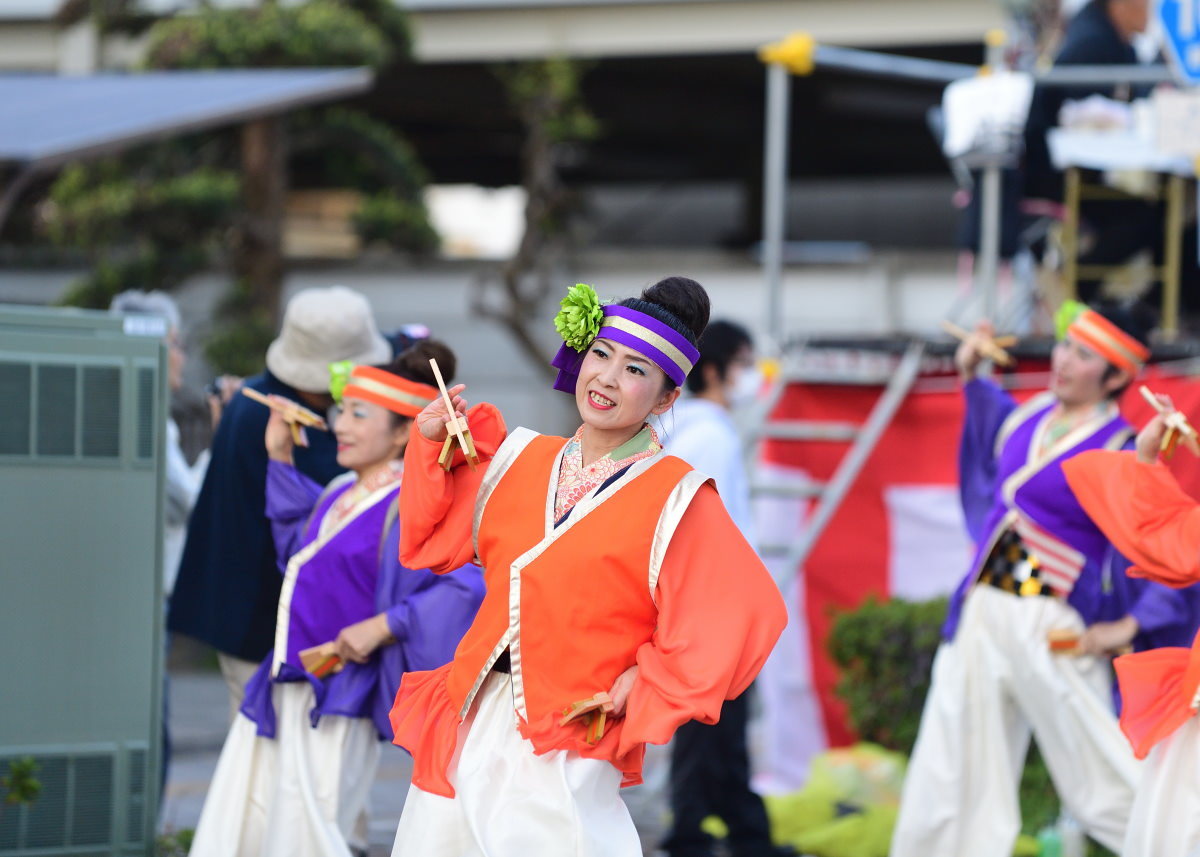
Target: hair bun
<point>679,302</point>
<point>413,362</point>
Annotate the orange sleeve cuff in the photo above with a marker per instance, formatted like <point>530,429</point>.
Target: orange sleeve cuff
<point>1143,511</point>
<point>437,507</point>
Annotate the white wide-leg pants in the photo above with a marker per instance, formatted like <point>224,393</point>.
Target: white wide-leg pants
<point>236,673</point>
<point>992,685</point>
<point>510,802</point>
<point>1165,821</point>
<point>301,794</point>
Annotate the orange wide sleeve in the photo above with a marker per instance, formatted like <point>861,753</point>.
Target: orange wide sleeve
<point>1157,687</point>
<point>719,615</point>
<point>437,507</point>
<point>1143,511</point>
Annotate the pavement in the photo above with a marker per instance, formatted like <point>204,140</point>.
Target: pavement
<point>199,713</point>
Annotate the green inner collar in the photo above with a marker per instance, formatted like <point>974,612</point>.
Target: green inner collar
<point>640,442</point>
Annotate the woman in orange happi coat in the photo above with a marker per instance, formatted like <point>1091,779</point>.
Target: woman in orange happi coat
<point>1139,505</point>
<point>616,584</point>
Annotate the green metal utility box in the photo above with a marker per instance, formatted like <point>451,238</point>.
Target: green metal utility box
<point>83,409</point>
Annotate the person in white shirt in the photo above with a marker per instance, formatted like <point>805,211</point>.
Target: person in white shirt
<point>710,769</point>
<point>181,481</point>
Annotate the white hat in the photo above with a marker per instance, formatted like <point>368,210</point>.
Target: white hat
<point>323,326</point>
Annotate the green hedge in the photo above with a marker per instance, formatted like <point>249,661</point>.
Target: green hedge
<point>885,651</point>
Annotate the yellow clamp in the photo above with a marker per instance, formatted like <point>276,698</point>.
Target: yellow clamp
<point>994,38</point>
<point>797,53</point>
<point>770,367</point>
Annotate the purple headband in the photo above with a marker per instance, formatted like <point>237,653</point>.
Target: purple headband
<point>667,348</point>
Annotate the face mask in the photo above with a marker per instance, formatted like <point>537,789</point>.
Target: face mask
<point>745,387</point>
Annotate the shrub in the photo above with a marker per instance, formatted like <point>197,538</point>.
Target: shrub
<point>387,218</point>
<point>21,785</point>
<point>175,843</point>
<point>885,651</point>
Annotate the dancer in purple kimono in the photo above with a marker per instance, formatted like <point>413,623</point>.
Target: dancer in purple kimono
<point>299,761</point>
<point>1042,568</point>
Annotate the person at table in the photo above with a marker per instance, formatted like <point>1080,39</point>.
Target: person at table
<point>1101,34</point>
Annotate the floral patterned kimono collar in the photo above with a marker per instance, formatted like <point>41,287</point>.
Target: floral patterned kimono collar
<point>576,481</point>
<point>359,491</point>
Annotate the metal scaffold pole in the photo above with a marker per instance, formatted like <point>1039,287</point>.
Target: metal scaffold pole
<point>849,468</point>
<point>988,265</point>
<point>775,197</point>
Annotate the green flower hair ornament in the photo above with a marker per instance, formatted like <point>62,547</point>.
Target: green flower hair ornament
<point>581,316</point>
<point>1065,316</point>
<point>339,377</point>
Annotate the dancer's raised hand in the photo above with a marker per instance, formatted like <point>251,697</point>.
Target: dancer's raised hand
<point>970,352</point>
<point>431,422</point>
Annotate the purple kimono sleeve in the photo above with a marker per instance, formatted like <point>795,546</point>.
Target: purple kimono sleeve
<point>1165,616</point>
<point>428,614</point>
<point>987,408</point>
<point>290,499</point>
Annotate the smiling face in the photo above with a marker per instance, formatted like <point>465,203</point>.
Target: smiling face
<point>619,388</point>
<point>1077,374</point>
<point>366,435</point>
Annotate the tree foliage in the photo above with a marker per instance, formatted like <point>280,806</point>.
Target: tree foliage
<point>154,216</point>
<point>547,97</point>
<point>141,223</point>
<point>316,33</point>
<point>95,211</point>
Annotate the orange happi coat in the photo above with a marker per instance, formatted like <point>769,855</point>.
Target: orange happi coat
<point>1156,525</point>
<point>650,571</point>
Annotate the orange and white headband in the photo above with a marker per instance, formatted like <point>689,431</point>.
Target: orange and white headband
<point>404,397</point>
<point>1113,344</point>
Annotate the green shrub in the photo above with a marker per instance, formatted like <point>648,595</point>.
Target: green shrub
<point>20,785</point>
<point>396,222</point>
<point>174,844</point>
<point>885,652</point>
